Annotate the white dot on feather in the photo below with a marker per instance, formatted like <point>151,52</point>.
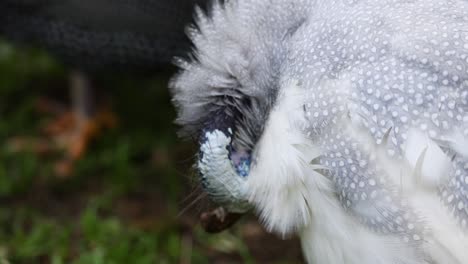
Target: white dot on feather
<point>450,198</point>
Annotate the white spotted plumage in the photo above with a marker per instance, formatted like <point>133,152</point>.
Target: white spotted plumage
<point>362,146</point>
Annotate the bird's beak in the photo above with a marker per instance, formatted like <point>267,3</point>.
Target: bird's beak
<point>218,220</point>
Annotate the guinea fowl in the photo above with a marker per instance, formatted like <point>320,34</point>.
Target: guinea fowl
<point>95,36</point>
<point>342,121</point>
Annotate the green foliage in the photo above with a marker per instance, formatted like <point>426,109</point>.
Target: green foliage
<point>17,172</point>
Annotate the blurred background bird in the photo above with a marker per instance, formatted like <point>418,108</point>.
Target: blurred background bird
<point>95,39</point>
<point>344,122</point>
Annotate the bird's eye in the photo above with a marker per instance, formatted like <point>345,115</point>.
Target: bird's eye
<point>241,160</point>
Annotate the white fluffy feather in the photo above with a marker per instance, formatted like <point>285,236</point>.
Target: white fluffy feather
<point>292,196</point>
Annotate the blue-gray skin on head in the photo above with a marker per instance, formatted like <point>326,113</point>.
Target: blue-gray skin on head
<point>223,169</point>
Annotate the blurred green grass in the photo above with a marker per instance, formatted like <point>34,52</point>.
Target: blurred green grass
<point>123,203</point>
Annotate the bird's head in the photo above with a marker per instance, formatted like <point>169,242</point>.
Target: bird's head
<point>226,92</point>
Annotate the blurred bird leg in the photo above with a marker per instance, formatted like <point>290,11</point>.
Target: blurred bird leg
<point>74,131</point>
<point>71,130</point>
<point>84,111</point>
<point>218,220</point>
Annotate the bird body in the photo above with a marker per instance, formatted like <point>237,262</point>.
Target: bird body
<point>354,114</point>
